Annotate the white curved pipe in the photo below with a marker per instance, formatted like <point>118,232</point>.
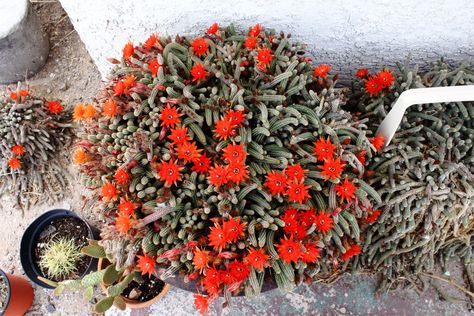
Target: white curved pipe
<point>390,124</point>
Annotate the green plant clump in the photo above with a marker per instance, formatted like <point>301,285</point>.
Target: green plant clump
<point>59,259</point>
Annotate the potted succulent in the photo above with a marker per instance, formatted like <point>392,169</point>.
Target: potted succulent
<point>122,287</point>
<point>51,247</point>
<point>226,161</point>
<point>16,295</point>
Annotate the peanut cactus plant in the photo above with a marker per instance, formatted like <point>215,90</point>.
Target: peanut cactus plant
<point>34,135</point>
<point>229,160</point>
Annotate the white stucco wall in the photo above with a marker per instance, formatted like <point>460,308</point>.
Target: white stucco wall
<point>344,33</point>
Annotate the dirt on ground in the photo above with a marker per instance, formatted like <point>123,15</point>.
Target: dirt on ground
<point>71,76</point>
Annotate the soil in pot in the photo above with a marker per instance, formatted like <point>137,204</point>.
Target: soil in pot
<point>70,228</point>
<point>144,291</point>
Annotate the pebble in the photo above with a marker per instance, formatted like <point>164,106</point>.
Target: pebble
<point>342,310</point>
<point>64,87</point>
<point>50,308</point>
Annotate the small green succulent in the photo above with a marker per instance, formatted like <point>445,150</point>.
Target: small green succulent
<point>59,259</point>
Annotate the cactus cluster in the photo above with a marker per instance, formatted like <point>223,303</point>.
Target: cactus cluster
<point>34,134</point>
<point>425,178</point>
<point>228,159</point>
<point>59,258</point>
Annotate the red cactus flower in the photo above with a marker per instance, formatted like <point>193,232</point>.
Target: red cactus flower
<point>154,65</point>
<point>373,86</point>
<point>169,116</point>
<point>346,190</point>
<point>353,251</point>
<point>324,149</point>
<point>332,168</point>
<point>201,303</point>
<point>109,191</point>
<point>200,259</point>
<point>200,46</point>
<point>378,142</point>
<point>322,70</point>
<point>292,225</point>
<point>151,41</point>
<point>202,164</point>
<point>362,73</point>
<point>14,163</point>
<point>123,224</point>
<point>213,29</point>
<point>373,217</point>
<point>119,88</point>
<point>227,277</point>
<point>297,191</point>
<point>308,217</point>
<point>224,129</point>
<point>18,150</point>
<point>257,259</point>
<point>289,250</point>
<point>255,30</point>
<point>121,176</point>
<point>188,151</point>
<point>217,237</point>
<point>264,56</point>
<point>361,156</point>
<point>110,108</point>
<point>128,50</point>
<point>179,135</point>
<point>198,72</point>
<point>233,229</point>
<point>295,172</point>
<point>218,175</point>
<point>54,107</point>
<point>386,78</point>
<point>324,222</point>
<point>169,172</point>
<point>238,270</point>
<point>236,118</point>
<point>311,253</point>
<point>276,182</point>
<point>234,153</point>
<point>146,264</point>
<point>237,172</point>
<point>250,42</point>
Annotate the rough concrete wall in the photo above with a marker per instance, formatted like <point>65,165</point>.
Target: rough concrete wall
<point>347,34</point>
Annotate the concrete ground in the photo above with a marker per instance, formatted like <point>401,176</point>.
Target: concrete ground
<point>71,76</point>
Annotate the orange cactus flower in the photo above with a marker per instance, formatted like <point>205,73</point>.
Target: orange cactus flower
<point>324,149</point>
<point>80,157</point>
<point>289,250</point>
<point>126,208</point>
<point>154,66</point>
<point>200,259</point>
<point>169,172</point>
<point>119,88</point>
<point>217,237</point>
<point>123,224</point>
<point>121,176</point>
<point>201,303</point>
<point>218,176</point>
<point>200,46</point>
<point>79,111</point>
<point>332,168</point>
<point>23,93</point>
<point>89,111</point>
<point>110,108</point>
<point>378,142</point>
<point>169,116</point>
<point>18,150</point>
<point>129,81</point>
<point>198,72</point>
<point>128,50</point>
<point>255,30</point>
<point>54,107</point>
<point>151,41</point>
<point>346,190</point>
<point>14,163</point>
<point>257,259</point>
<point>322,70</point>
<point>146,264</point>
<point>213,29</point>
<point>179,135</point>
<point>109,191</point>
<point>264,56</point>
<point>250,42</point>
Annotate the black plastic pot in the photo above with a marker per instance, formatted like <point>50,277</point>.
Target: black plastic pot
<point>30,238</point>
